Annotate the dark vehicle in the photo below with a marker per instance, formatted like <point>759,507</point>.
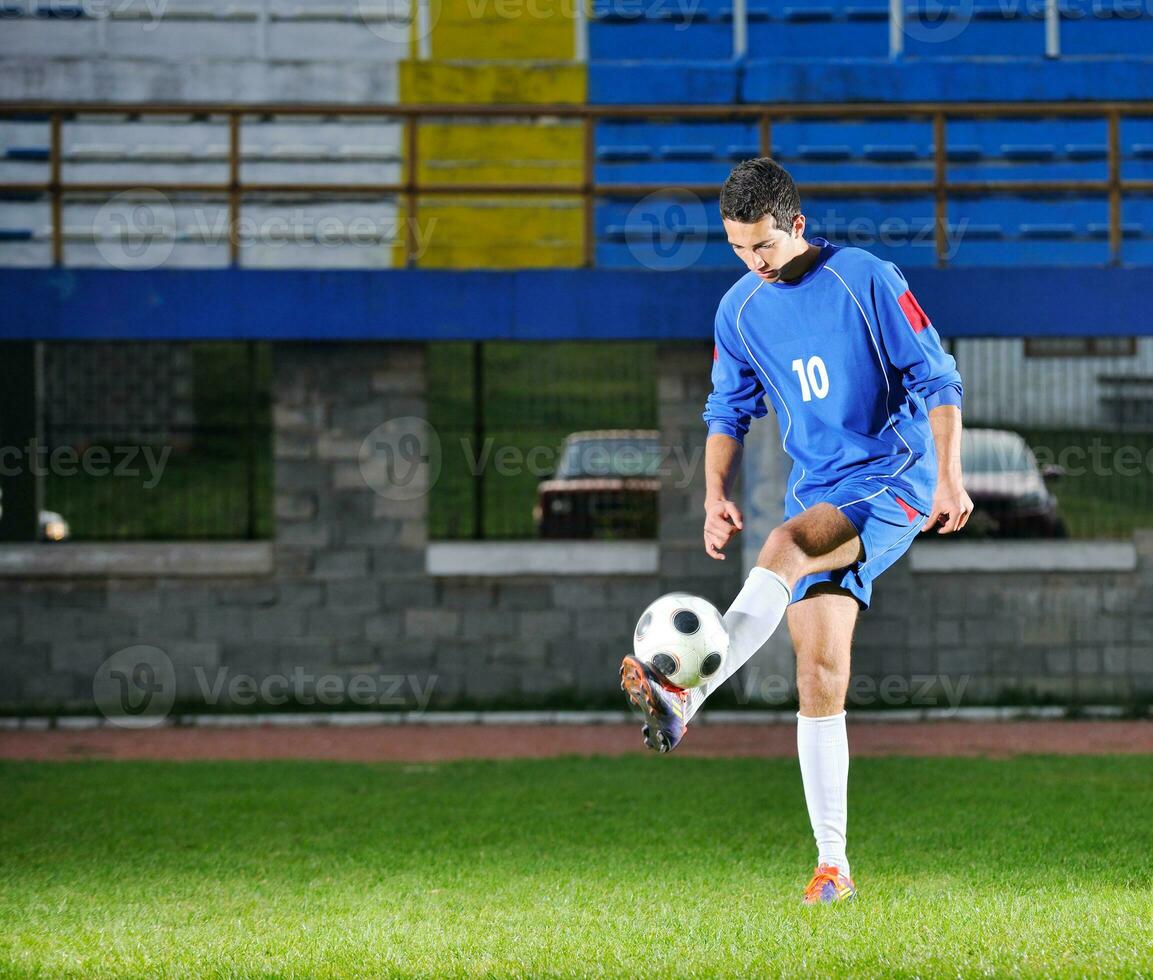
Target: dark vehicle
<point>605,486</point>
<point>1011,498</point>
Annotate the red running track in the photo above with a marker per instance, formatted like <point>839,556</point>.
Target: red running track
<point>419,743</point>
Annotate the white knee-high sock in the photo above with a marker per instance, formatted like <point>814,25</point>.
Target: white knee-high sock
<point>753,617</point>
<point>823,748</point>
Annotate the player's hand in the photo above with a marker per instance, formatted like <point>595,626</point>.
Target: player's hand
<point>951,508</point>
<point>722,521</point>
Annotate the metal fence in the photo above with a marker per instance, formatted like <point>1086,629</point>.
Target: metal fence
<point>544,439</point>
<point>556,440</point>
<point>413,191</point>
<point>157,441</point>
<point>1059,435</point>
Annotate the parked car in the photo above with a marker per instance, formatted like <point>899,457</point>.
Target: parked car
<point>606,485</point>
<point>1011,496</point>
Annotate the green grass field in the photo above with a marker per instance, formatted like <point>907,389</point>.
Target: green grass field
<point>1033,866</point>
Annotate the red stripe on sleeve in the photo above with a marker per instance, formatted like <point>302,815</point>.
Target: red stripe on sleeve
<point>716,353</point>
<point>917,318</point>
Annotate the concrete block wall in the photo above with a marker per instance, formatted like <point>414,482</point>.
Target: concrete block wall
<point>348,596</point>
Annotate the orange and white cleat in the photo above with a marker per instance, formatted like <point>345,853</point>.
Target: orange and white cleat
<point>829,885</point>
<point>660,702</point>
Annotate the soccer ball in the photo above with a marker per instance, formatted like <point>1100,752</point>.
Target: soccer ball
<point>683,637</point>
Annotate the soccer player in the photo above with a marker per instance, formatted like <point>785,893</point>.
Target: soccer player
<point>869,407</point>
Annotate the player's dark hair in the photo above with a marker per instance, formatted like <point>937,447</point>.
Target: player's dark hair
<point>757,188</point>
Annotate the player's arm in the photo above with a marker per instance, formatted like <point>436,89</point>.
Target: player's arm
<point>914,346</point>
<point>722,517</point>
<point>737,398</point>
<point>951,504</point>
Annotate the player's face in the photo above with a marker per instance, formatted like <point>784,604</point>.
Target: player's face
<point>766,249</point>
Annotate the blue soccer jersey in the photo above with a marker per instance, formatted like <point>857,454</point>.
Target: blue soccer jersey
<point>852,366</point>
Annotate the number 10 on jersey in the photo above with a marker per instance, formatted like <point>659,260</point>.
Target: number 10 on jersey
<point>813,377</point>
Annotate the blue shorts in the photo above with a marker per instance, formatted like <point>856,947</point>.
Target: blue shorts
<point>886,523</point>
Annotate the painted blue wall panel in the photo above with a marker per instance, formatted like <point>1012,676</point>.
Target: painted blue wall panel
<point>668,83</point>
<point>668,40</point>
<point>546,304</point>
<point>922,80</point>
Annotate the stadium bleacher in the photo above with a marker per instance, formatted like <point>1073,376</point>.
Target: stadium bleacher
<point>669,52</point>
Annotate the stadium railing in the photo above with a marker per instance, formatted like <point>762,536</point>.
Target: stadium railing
<point>411,190</point>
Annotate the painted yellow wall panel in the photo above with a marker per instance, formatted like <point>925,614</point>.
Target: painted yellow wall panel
<point>501,233</point>
<point>502,40</point>
<point>527,11</point>
<point>500,153</point>
<point>560,256</point>
<point>492,83</point>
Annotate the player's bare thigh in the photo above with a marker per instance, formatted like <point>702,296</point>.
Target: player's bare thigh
<point>821,626</point>
<point>817,540</point>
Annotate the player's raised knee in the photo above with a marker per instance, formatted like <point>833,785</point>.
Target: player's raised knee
<point>821,689</point>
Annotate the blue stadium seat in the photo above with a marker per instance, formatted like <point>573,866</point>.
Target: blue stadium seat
<point>997,254</point>
<point>789,137</point>
<point>37,153</point>
<point>684,82</point>
<point>1137,148</point>
<point>1110,35</point>
<point>690,151</point>
<point>1027,149</point>
<point>664,172</point>
<point>1129,229</point>
<point>824,154</point>
<point>1137,227</point>
<point>822,39</point>
<point>665,40</point>
<point>616,154</point>
<point>891,154</point>
<point>639,151</point>
<point>620,255</point>
<point>982,32</point>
